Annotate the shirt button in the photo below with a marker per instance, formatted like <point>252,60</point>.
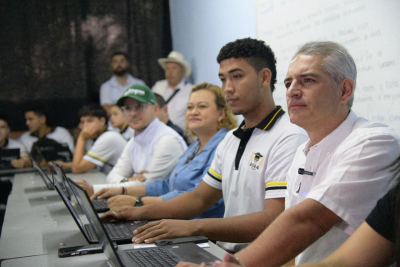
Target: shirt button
<point>328,153</point>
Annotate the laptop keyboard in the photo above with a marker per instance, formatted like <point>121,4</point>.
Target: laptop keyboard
<point>117,230</point>
<point>152,257</point>
<point>100,204</point>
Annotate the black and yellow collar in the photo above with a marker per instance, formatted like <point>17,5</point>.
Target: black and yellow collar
<point>265,125</point>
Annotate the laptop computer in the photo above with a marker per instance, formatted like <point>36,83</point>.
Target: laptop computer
<point>42,174</point>
<point>6,156</point>
<point>120,232</point>
<point>168,255</point>
<point>100,205</point>
<point>87,232</point>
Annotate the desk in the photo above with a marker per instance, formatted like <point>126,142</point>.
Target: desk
<point>11,172</point>
<point>36,220</point>
<point>37,223</point>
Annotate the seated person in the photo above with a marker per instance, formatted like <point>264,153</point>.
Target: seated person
<point>155,147</point>
<point>119,121</point>
<point>208,119</point>
<point>163,116</point>
<point>7,143</point>
<point>37,120</point>
<point>175,89</point>
<point>107,146</point>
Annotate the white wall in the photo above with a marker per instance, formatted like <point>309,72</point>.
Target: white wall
<point>201,27</point>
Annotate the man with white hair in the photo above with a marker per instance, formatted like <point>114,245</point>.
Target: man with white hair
<point>175,89</point>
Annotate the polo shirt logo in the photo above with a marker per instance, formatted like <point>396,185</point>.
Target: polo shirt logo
<point>256,161</point>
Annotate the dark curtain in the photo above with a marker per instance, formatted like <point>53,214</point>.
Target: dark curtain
<point>58,52</point>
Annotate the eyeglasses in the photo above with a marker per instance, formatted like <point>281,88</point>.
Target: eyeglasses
<point>137,108</point>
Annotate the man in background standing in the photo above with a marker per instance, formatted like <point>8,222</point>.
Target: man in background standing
<point>112,90</point>
<point>174,89</point>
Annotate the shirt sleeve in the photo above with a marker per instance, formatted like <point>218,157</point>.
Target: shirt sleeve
<point>381,218</point>
<point>66,137</point>
<point>123,168</point>
<point>278,164</point>
<point>359,168</point>
<point>213,176</point>
<point>101,151</point>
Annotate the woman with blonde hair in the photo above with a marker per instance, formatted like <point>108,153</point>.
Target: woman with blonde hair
<point>208,119</point>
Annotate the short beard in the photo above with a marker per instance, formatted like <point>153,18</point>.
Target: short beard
<point>120,72</point>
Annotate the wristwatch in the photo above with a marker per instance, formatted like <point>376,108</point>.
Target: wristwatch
<point>138,202</point>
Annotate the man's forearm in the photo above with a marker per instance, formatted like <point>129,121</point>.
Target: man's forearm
<point>136,191</point>
<point>181,207</point>
<point>292,232</point>
<point>238,229</point>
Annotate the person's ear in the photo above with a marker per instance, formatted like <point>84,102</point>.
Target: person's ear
<point>265,77</point>
<point>103,120</point>
<point>222,114</point>
<point>42,119</point>
<point>347,88</point>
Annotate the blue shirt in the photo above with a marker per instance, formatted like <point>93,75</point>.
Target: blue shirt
<point>188,174</point>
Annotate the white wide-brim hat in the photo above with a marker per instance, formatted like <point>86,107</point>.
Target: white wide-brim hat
<point>176,57</point>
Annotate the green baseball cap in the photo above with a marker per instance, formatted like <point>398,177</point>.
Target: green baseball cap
<point>139,92</point>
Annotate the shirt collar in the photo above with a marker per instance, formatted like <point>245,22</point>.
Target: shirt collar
<point>115,82</point>
<point>147,135</point>
<point>35,133</point>
<point>180,85</point>
<point>336,137</point>
<point>216,138</point>
<point>265,125</point>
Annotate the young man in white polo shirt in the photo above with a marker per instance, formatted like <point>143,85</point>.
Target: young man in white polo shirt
<point>250,164</point>
<point>107,146</point>
<point>155,147</point>
<point>40,127</point>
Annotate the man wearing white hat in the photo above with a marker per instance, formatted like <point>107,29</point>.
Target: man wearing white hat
<point>174,89</point>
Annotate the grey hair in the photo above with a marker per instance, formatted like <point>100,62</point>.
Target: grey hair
<point>338,63</point>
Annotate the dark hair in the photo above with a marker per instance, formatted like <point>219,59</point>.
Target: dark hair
<point>256,53</point>
<point>40,110</point>
<point>5,118</point>
<point>120,53</point>
<point>160,100</point>
<point>94,110</point>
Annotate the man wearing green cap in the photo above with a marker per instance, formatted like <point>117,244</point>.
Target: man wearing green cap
<point>155,147</point>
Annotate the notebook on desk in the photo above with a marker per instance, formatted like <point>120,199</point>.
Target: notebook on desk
<point>120,232</point>
<point>100,205</point>
<point>167,255</point>
<point>6,156</point>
